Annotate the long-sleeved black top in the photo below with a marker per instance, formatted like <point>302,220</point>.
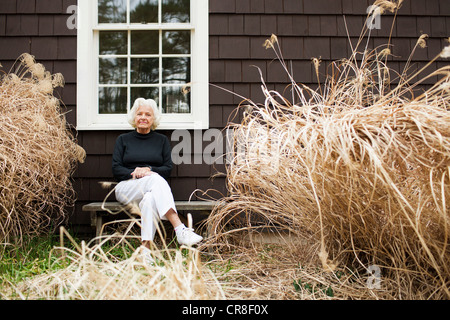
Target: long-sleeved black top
<point>133,150</point>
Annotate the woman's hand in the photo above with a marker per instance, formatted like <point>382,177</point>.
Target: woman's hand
<point>140,172</point>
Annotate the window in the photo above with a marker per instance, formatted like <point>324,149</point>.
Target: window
<point>154,49</point>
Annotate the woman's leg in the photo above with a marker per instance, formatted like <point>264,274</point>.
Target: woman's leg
<point>156,202</point>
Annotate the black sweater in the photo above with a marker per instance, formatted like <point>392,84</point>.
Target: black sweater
<point>133,150</point>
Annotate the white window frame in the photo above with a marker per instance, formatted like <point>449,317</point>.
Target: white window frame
<point>88,117</point>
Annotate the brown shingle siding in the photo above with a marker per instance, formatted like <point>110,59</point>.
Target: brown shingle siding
<point>60,26</point>
<point>12,47</point>
<point>26,6</point>
<point>444,7</point>
<point>438,27</point>
<point>13,26</point>
<point>8,6</point>
<point>284,25</point>
<point>236,24</point>
<point>300,25</point>
<point>432,7</point>
<point>359,7</point>
<point>268,25</point>
<point>49,6</point>
<point>217,71</point>
<point>2,24</point>
<point>322,7</point>
<point>219,25</point>
<point>423,25</point>
<point>257,51</point>
<point>44,48</point>
<point>257,6</point>
<point>418,7</point>
<point>406,26</point>
<point>293,6</point>
<point>292,47</point>
<point>252,24</point>
<point>273,6</point>
<point>328,25</point>
<point>243,6</point>
<point>251,70</point>
<point>67,48</point>
<point>234,47</point>
<point>233,71</point>
<point>317,47</point>
<point>46,25</point>
<point>222,6</point>
<point>339,48</point>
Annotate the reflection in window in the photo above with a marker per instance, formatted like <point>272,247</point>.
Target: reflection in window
<point>176,100</point>
<point>176,42</point>
<point>112,11</point>
<point>112,71</point>
<point>113,42</point>
<point>112,100</point>
<point>144,11</point>
<point>146,92</point>
<point>145,71</point>
<point>176,11</point>
<point>144,42</point>
<point>176,70</point>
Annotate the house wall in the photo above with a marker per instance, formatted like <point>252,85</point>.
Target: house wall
<point>238,29</point>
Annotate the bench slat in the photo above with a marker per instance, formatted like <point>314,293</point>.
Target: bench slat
<point>180,205</point>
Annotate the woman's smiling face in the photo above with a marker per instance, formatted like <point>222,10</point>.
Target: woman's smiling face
<point>144,119</point>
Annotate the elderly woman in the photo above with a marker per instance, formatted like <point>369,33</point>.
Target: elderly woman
<point>142,163</point>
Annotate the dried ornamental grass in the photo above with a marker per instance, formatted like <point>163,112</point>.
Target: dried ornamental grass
<point>96,273</point>
<point>38,153</point>
<point>360,167</point>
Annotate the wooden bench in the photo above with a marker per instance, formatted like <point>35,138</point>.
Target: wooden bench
<point>98,210</point>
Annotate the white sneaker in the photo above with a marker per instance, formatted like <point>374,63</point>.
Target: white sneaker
<point>147,256</point>
<point>188,237</point>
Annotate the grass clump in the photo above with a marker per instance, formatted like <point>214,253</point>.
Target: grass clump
<point>358,168</point>
<point>38,153</point>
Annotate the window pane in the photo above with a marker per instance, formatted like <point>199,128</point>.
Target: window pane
<point>176,11</point>
<point>112,100</point>
<point>144,42</point>
<point>174,100</point>
<point>112,11</point>
<point>176,42</point>
<point>176,70</point>
<point>144,11</point>
<point>112,70</point>
<point>113,42</point>
<point>145,70</point>
<point>144,92</point>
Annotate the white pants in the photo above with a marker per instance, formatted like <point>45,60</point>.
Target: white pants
<point>154,197</point>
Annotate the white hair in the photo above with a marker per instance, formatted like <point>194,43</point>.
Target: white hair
<point>144,102</point>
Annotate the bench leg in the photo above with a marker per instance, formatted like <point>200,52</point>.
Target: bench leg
<point>97,222</point>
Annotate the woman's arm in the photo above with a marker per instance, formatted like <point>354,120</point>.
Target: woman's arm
<point>167,165</point>
<point>120,172</point>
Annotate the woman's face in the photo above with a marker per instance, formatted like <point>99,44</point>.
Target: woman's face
<point>144,119</point>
